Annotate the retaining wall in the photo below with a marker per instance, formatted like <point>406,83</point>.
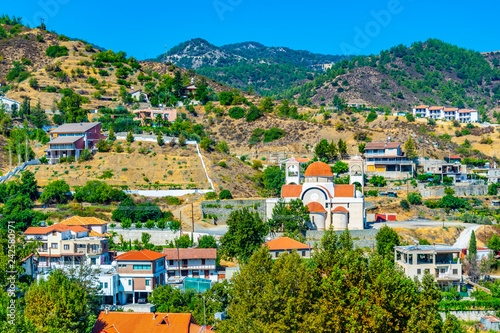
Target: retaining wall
<point>472,315</point>
<point>361,238</point>
<point>223,213</point>
<point>460,191</point>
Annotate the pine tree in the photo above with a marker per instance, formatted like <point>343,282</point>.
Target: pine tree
<point>130,137</point>
<point>342,147</point>
<point>181,139</point>
<point>411,149</point>
<point>159,139</point>
<point>111,135</point>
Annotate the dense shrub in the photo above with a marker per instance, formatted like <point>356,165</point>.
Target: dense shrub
<point>236,112</point>
<point>414,198</point>
<point>96,191</point>
<point>56,51</point>
<point>225,194</point>
<point>273,134</point>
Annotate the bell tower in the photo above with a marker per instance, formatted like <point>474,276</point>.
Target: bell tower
<point>292,171</point>
<point>357,171</point>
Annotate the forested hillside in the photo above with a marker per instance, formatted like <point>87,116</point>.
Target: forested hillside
<point>431,72</point>
<point>250,65</point>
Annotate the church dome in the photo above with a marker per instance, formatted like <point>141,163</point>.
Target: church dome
<point>315,207</point>
<point>318,169</point>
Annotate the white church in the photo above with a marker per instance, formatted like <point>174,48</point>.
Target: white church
<point>340,206</point>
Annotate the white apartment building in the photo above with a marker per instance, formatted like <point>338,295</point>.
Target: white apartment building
<point>446,114</point>
<point>441,261</point>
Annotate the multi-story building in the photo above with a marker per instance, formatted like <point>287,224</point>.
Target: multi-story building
<point>139,273</point>
<point>442,262</point>
<point>10,104</point>
<point>447,114</point>
<point>148,116</point>
<point>388,160</point>
<point>193,263</point>
<point>69,140</point>
<point>285,244</point>
<point>453,169</point>
<point>68,245</point>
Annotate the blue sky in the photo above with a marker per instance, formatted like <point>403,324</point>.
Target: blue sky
<point>143,28</point>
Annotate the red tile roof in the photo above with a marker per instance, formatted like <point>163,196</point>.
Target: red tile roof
<point>285,243</point>
<point>344,191</point>
<point>302,160</point>
<point>171,254</point>
<point>422,107</point>
<point>78,220</point>
<point>450,109</point>
<point>55,227</point>
<point>139,322</point>
<point>340,209</point>
<point>142,255</point>
<point>318,169</point>
<point>435,108</point>
<point>466,111</point>
<point>291,191</point>
<point>315,207</point>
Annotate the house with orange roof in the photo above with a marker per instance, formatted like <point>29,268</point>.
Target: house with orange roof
<point>323,198</point>
<point>193,263</point>
<point>90,223</point>
<point>285,244</point>
<point>139,273</point>
<point>156,322</point>
<point>67,245</point>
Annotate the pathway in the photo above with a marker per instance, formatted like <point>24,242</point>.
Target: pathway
<point>464,238</point>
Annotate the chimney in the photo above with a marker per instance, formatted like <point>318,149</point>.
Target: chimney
<point>107,311</point>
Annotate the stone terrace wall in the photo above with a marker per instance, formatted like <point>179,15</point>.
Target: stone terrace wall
<point>221,213</point>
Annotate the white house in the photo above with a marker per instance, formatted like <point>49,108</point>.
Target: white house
<point>446,114</point>
<point>9,103</point>
<point>137,94</point>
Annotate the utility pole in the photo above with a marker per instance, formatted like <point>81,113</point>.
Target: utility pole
<point>192,222</point>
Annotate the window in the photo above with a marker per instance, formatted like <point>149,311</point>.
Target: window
<point>54,233</point>
<point>160,263</point>
<point>142,267</point>
<point>171,262</point>
<point>66,246</point>
<point>119,283</point>
<point>419,271</point>
<point>100,283</point>
<point>53,245</point>
<point>303,253</point>
<point>455,271</point>
<point>202,262</point>
<point>147,282</point>
<point>105,284</point>
<point>129,282</point>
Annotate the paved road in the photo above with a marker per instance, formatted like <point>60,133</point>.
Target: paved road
<point>464,238</point>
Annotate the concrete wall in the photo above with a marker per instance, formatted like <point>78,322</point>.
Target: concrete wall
<point>361,238</point>
<point>158,237</point>
<point>460,190</point>
<point>223,213</point>
<point>472,315</point>
<point>165,193</point>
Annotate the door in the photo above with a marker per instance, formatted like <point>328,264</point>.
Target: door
<point>207,274</point>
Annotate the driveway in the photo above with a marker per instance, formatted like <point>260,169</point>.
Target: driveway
<point>464,238</point>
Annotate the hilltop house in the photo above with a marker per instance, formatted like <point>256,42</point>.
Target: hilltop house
<point>453,169</point>
<point>285,244</point>
<point>388,160</point>
<point>446,114</point>
<point>195,263</point>
<point>62,245</point>
<point>441,261</point>
<point>139,95</point>
<point>9,103</point>
<point>156,322</point>
<point>69,140</point>
<point>340,206</point>
<point>139,273</point>
<point>147,115</point>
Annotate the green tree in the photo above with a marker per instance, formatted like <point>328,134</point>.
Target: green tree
<point>266,104</point>
<point>471,264</point>
<point>159,139</point>
<point>494,243</point>
<point>111,135</point>
<point>226,98</point>
<point>411,149</point>
<point>57,304</point>
<point>207,242</point>
<point>342,148</point>
<point>181,140</point>
<point>452,325</point>
<point>225,195</point>
<point>289,217</point>
<point>361,148</point>
<point>322,149</point>
<point>56,191</point>
<point>386,240</point>
<point>245,234</point>
<point>38,117</point>
<point>28,185</point>
<point>410,117</point>
<point>223,147</point>
<point>206,143</point>
<point>415,198</point>
<point>340,167</point>
<point>130,137</point>
<point>274,179</point>
<point>405,204</point>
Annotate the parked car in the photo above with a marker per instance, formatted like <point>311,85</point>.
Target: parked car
<point>141,301</point>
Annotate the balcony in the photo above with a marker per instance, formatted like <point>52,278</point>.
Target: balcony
<point>190,267</point>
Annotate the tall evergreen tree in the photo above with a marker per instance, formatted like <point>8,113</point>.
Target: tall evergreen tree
<point>411,149</point>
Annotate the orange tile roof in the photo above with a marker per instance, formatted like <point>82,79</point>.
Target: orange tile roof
<point>318,169</point>
<point>466,111</point>
<point>78,220</point>
<point>422,107</point>
<point>94,233</point>
<point>141,322</point>
<point>291,191</point>
<point>285,243</point>
<point>382,145</point>
<point>55,227</point>
<point>171,254</point>
<point>450,109</point>
<point>315,207</point>
<point>435,108</point>
<point>302,159</point>
<point>340,209</point>
<point>142,255</point>
<point>344,191</point>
